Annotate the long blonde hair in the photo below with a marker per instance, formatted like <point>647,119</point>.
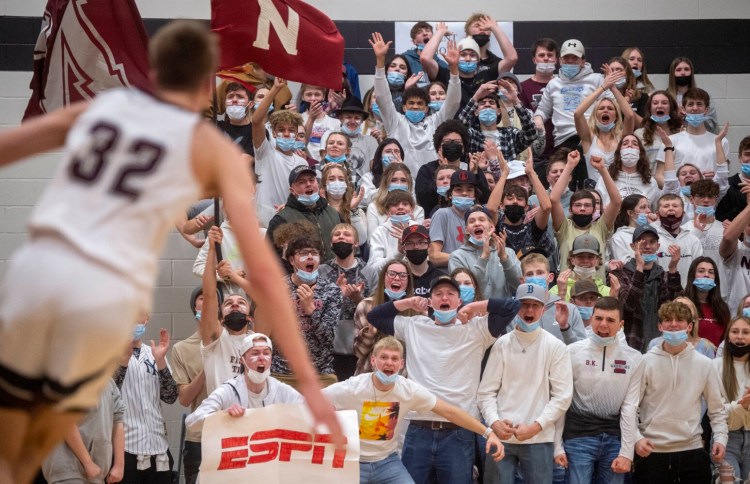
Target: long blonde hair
<point>345,209</point>
<point>728,375</point>
<point>619,126</point>
<point>388,173</point>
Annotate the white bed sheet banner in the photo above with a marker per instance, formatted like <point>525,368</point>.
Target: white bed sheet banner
<point>403,42</point>
<point>277,445</point>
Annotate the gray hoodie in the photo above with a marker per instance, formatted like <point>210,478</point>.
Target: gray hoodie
<point>497,279</point>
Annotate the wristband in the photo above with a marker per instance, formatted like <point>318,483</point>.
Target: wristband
<point>487,432</point>
<point>563,330</point>
<point>669,148</point>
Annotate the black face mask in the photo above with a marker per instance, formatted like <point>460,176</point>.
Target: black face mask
<point>737,351</point>
<point>582,220</point>
<point>416,256</point>
<point>235,321</point>
<point>303,106</point>
<point>682,80</point>
<point>514,213</point>
<point>342,249</point>
<point>671,223</point>
<point>452,151</point>
<point>481,39</point>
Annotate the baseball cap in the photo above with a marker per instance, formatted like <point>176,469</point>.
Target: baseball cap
<point>420,230</point>
<point>642,229</point>
<point>573,46</point>
<point>516,168</point>
<point>480,208</point>
<point>511,77</point>
<point>251,341</point>
<point>299,171</point>
<point>463,177</point>
<point>531,291</point>
<point>468,44</point>
<point>443,280</point>
<point>585,244</point>
<point>530,249</point>
<point>584,286</point>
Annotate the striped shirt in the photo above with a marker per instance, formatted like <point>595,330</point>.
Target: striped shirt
<point>142,386</point>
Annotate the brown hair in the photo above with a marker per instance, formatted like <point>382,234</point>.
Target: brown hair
<point>184,55</point>
<point>728,375</point>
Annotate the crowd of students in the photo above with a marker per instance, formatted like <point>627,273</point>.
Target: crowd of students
<point>560,266</point>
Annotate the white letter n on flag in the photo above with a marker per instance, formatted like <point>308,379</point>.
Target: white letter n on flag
<point>287,33</point>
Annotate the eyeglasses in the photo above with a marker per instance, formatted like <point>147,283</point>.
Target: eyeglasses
<point>395,275</point>
<point>422,244</point>
<point>582,205</point>
<point>308,253</point>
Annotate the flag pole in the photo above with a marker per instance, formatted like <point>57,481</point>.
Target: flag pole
<point>217,211</point>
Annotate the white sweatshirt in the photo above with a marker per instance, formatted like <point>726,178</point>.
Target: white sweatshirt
<point>737,417</point>
<point>527,379</point>
<point>671,391</point>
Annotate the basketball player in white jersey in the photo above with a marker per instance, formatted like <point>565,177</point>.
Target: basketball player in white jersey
<point>72,294</point>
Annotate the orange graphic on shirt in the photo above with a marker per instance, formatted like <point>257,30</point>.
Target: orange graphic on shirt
<point>378,420</point>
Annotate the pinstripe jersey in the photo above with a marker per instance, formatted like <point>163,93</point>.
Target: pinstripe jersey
<point>145,430</point>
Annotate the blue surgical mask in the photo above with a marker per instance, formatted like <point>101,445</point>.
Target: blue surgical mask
<point>420,47</point>
<point>746,312</point>
<point>467,67</point>
<point>387,159</point>
<point>675,338</point>
<point>442,191</point>
<point>695,120</point>
<point>637,73</point>
<point>707,211</point>
<point>704,283</point>
<point>285,144</point>
<point>414,116</point>
<point>376,109</point>
<point>436,105</point>
<point>386,379</point>
<point>605,127</point>
<point>462,203</point>
<point>660,119</point>
<point>396,79</point>
<point>527,327</point>
<point>139,331</point>
<point>539,281</point>
<point>307,277</point>
<point>270,108</point>
<point>685,190</point>
<point>601,341</point>
<point>467,294</point>
<point>335,159</point>
<point>336,188</point>
<point>745,168</point>
<point>308,200</point>
<point>444,317</point>
<point>197,315</point>
<point>299,145</point>
<point>649,258</point>
<point>586,312</point>
<point>642,219</point>
<point>351,132</point>
<point>569,71</point>
<point>394,295</point>
<point>398,186</point>
<point>476,242</point>
<point>400,219</point>
<point>488,116</point>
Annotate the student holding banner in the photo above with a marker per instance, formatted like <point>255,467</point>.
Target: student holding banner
<point>381,400</point>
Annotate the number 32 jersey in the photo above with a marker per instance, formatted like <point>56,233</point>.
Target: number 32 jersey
<point>125,177</point>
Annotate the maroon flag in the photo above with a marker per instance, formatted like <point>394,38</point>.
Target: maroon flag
<point>85,47</point>
<point>288,38</point>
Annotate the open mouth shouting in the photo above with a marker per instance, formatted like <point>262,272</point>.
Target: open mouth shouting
<point>606,118</point>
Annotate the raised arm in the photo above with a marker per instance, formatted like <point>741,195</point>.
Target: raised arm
<point>388,112</point>
<point>579,116</point>
<point>453,94</point>
<point>259,116</point>
<point>496,196</point>
<point>558,213</point>
<point>732,233</point>
<point>510,56</point>
<point>209,325</point>
<point>628,120</point>
<point>541,219</point>
<point>427,56</point>
<point>615,199</point>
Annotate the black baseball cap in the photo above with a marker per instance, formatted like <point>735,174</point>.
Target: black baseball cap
<point>642,229</point>
<point>299,171</point>
<point>463,177</point>
<point>420,230</point>
<point>438,281</point>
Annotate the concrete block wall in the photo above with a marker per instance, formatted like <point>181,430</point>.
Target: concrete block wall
<point>21,184</point>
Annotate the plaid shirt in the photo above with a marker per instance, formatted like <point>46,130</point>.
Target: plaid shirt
<point>511,141</point>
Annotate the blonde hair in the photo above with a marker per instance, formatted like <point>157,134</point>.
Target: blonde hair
<point>346,226</point>
<point>284,116</point>
<point>619,126</point>
<point>534,258</point>
<point>388,343</point>
<point>388,173</point>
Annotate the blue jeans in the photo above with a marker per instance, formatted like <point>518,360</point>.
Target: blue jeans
<point>444,456</point>
<point>535,461</point>
<point>387,471</point>
<point>738,452</point>
<point>590,455</point>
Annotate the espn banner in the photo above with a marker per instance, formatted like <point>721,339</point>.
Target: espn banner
<point>277,445</point>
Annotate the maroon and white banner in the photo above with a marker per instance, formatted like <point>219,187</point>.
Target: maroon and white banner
<point>288,38</point>
<point>277,445</point>
<point>85,47</point>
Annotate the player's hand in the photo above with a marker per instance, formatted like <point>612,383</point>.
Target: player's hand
<point>621,465</point>
<point>322,411</point>
<point>236,410</point>
<point>493,441</point>
<point>644,447</point>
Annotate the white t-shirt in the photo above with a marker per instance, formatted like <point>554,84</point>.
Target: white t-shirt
<point>737,269</point>
<point>446,360</point>
<point>652,150</point>
<point>273,168</point>
<point>710,240</point>
<point>319,129</point>
<point>221,359</point>
<point>699,150</point>
<point>381,414</point>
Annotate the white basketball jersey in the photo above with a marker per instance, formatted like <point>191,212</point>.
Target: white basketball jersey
<point>125,177</point>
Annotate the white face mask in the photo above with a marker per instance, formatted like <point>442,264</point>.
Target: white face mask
<point>236,113</point>
<point>545,67</point>
<point>257,377</point>
<point>630,156</point>
<point>585,272</point>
